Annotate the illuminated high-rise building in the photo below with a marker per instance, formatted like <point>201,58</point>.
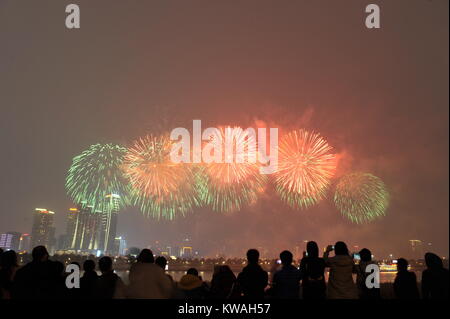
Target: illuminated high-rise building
<point>42,231</point>
<point>84,232</point>
<point>25,243</point>
<point>10,240</point>
<point>108,224</point>
<point>186,252</point>
<point>90,230</point>
<point>71,227</point>
<point>120,246</point>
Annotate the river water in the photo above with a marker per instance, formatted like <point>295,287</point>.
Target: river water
<point>385,277</point>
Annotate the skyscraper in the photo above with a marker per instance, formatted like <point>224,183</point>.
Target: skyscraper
<point>90,230</point>
<point>42,231</point>
<point>71,228</point>
<point>108,224</point>
<point>86,229</point>
<point>120,245</point>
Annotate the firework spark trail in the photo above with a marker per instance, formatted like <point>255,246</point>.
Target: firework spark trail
<point>95,174</point>
<point>305,168</point>
<point>361,197</point>
<point>161,188</point>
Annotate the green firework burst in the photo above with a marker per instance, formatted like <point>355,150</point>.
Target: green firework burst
<point>97,173</point>
<point>361,197</point>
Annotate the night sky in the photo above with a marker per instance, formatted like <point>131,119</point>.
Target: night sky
<point>380,97</point>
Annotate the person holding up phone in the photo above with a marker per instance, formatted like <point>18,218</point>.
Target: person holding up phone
<point>340,282</point>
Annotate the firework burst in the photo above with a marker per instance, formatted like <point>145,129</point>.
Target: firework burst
<point>234,180</point>
<point>96,174</point>
<point>161,188</point>
<point>361,197</point>
<point>305,168</point>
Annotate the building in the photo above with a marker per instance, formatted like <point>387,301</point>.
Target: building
<point>186,252</point>
<point>62,242</point>
<point>83,231</point>
<point>10,240</point>
<point>43,230</point>
<point>71,228</point>
<point>416,249</point>
<point>93,230</point>
<point>25,243</point>
<point>108,224</point>
<point>120,246</point>
<point>52,240</point>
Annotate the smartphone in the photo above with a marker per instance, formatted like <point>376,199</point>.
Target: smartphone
<point>279,262</point>
<point>332,247</point>
<point>356,257</point>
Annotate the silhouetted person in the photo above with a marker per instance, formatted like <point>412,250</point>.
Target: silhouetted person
<point>252,281</point>
<point>33,281</point>
<point>193,286</point>
<point>57,282</point>
<point>286,281</point>
<point>312,269</point>
<point>222,283</point>
<point>8,268</point>
<point>434,278</point>
<point>88,280</point>
<point>148,280</point>
<point>161,262</point>
<point>405,283</point>
<point>108,285</point>
<point>340,282</point>
<point>361,276</point>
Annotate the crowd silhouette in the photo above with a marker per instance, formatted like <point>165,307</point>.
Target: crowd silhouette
<point>43,278</point>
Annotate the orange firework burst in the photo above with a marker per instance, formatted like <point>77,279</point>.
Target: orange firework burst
<point>305,168</point>
<point>160,187</point>
<point>232,180</point>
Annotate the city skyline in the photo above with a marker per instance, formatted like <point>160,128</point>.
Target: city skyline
<point>174,247</point>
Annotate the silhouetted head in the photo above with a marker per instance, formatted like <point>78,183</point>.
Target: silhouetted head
<point>365,255</point>
<point>146,256</point>
<point>225,269</point>
<point>56,268</point>
<point>105,264</point>
<point>402,264</point>
<point>192,271</point>
<point>89,265</point>
<point>433,261</point>
<point>312,249</point>
<point>216,269</point>
<point>39,253</point>
<point>340,248</point>
<point>8,259</point>
<point>286,257</point>
<point>76,263</point>
<point>161,262</point>
<point>252,256</point>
